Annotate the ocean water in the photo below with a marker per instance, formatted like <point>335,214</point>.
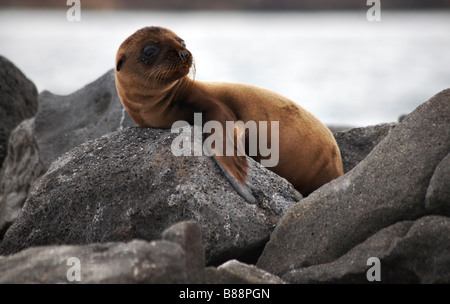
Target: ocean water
<point>338,65</point>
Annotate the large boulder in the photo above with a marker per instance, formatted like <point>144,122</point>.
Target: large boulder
<point>388,186</point>
<point>408,252</point>
<point>137,261</point>
<point>128,184</point>
<point>18,101</point>
<point>64,122</point>
<point>61,123</point>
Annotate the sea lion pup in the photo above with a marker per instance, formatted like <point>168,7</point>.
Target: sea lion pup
<point>151,79</point>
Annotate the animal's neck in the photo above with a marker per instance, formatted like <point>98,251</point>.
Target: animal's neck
<point>167,92</point>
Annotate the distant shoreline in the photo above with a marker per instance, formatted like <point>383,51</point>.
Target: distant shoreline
<point>261,5</point>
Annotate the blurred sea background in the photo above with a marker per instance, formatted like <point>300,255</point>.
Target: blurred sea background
<point>327,57</point>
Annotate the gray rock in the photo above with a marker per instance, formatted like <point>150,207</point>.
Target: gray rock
<point>20,169</point>
<point>189,236</point>
<point>437,199</point>
<point>235,272</point>
<point>18,101</point>
<point>409,252</point>
<point>112,263</point>
<point>62,123</point>
<point>128,185</point>
<point>388,186</point>
<point>355,144</point>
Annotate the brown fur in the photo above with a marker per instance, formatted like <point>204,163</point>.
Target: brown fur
<point>159,92</point>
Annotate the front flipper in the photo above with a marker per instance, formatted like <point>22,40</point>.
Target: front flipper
<point>235,167</point>
<point>230,155</point>
<point>240,187</point>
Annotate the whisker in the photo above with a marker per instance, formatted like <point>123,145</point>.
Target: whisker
<point>193,70</point>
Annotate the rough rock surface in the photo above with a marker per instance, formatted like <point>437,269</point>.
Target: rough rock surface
<point>113,263</point>
<point>355,144</point>
<point>61,123</point>
<point>64,122</point>
<point>388,186</point>
<point>18,101</point>
<point>21,167</point>
<point>188,235</point>
<point>437,199</point>
<point>409,252</point>
<point>128,184</point>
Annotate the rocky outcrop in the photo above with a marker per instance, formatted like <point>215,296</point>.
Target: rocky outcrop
<point>177,258</point>
<point>18,101</point>
<point>21,167</point>
<point>388,186</point>
<point>137,261</point>
<point>61,123</point>
<point>408,252</point>
<point>114,263</point>
<point>128,184</point>
<point>64,122</point>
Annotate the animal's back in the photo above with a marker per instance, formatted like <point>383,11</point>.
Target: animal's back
<point>308,153</point>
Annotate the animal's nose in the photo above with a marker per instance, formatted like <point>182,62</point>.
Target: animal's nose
<point>184,55</point>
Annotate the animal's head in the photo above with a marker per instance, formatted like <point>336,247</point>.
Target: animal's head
<point>153,56</point>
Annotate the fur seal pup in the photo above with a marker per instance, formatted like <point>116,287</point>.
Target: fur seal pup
<point>152,81</point>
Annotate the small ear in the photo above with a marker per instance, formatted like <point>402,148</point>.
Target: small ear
<point>119,63</point>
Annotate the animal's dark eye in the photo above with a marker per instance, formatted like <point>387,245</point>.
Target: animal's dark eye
<point>149,52</point>
<point>183,44</point>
